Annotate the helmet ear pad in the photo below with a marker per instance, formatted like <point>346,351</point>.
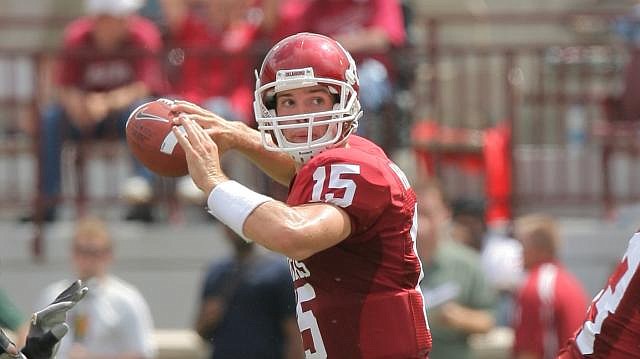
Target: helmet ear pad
<point>271,103</point>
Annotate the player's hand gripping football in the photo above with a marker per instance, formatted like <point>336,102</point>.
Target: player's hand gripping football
<point>202,154</point>
<point>222,131</point>
<point>49,325</point>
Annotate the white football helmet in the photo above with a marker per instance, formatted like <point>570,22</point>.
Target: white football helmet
<point>305,60</point>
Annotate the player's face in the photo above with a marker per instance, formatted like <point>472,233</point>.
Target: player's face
<point>304,100</point>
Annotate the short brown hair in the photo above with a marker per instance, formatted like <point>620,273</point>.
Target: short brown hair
<point>541,231</point>
<point>92,229</point>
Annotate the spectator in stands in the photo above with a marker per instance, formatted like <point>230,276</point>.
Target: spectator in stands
<point>108,66</point>
<point>212,62</point>
<point>113,320</point>
<point>628,29</point>
<point>12,318</point>
<point>368,29</point>
<point>247,308</point>
<point>551,303</point>
<point>458,297</point>
<point>468,216</point>
<point>215,68</point>
<point>501,255</point>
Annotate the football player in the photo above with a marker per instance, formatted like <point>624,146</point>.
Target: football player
<point>612,326</point>
<point>48,326</point>
<point>348,225</point>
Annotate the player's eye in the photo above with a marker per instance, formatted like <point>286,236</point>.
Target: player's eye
<point>286,102</point>
<point>318,101</point>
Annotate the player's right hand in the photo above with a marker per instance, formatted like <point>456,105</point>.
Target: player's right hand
<point>203,158</point>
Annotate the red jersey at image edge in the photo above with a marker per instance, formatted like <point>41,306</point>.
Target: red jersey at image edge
<point>360,298</point>
<point>612,327</point>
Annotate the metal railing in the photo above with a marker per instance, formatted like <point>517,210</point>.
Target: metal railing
<point>551,92</point>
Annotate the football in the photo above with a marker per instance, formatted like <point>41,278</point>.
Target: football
<point>151,141</point>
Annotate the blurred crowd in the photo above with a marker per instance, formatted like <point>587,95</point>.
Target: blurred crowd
<point>204,51</point>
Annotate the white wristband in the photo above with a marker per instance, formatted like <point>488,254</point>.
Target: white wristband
<point>231,203</point>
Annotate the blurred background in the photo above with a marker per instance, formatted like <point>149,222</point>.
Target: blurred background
<point>522,105</point>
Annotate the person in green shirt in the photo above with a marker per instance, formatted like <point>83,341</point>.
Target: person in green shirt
<point>458,298</point>
<point>12,318</point>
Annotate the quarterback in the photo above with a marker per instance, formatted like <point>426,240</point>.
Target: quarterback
<point>348,225</point>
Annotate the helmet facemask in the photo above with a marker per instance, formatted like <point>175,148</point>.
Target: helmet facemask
<point>340,121</point>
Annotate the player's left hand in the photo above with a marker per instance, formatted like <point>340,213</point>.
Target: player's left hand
<point>202,155</point>
<point>49,325</point>
<point>224,133</point>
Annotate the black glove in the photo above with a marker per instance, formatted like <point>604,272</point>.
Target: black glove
<point>74,293</point>
<point>49,325</point>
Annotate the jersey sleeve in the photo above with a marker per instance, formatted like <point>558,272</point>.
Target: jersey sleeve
<point>357,184</point>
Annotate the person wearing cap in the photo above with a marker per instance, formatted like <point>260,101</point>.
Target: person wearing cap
<point>108,66</point>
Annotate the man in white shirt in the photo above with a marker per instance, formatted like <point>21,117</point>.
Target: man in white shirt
<point>113,320</point>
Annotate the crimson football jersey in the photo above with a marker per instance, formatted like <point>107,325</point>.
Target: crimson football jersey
<point>84,66</point>
<point>361,298</point>
<point>612,327</point>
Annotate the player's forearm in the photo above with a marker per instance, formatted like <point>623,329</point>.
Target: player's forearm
<point>297,232</point>
<point>276,165</point>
